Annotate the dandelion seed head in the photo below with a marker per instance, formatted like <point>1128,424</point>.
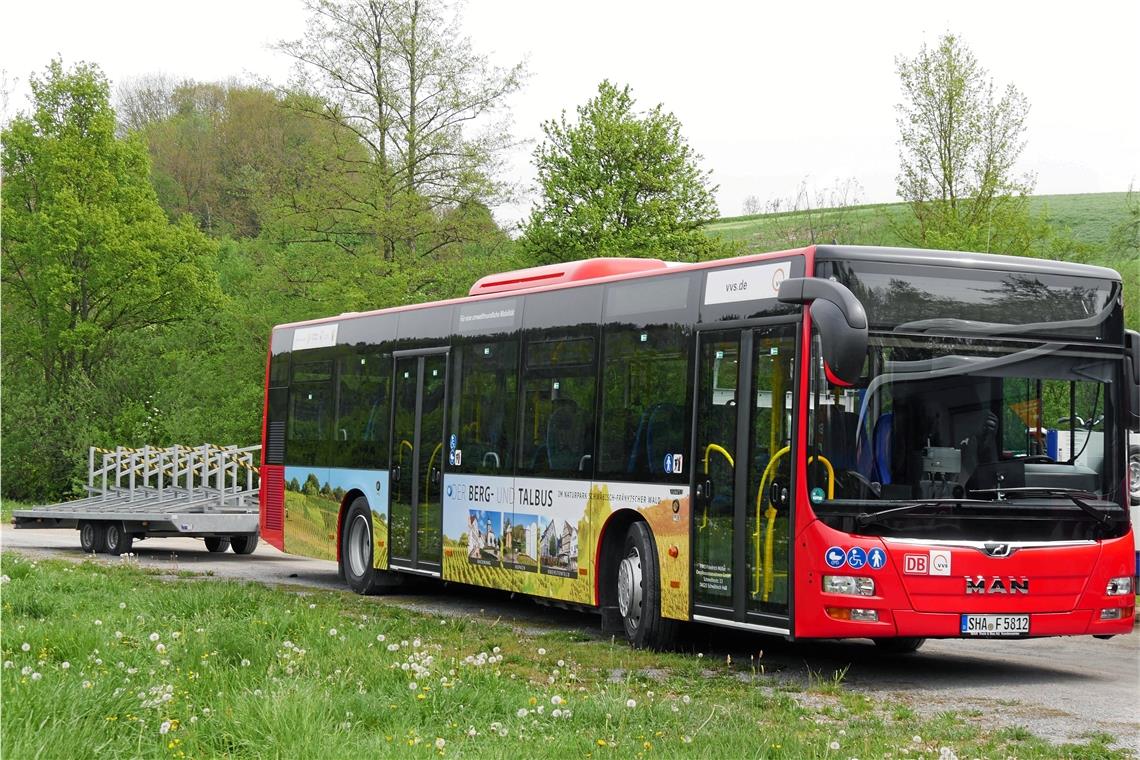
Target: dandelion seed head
<point>631,703</point>
<point>25,647</point>
<point>833,745</point>
<point>153,637</point>
<point>65,665</point>
<point>541,651</point>
<point>521,712</point>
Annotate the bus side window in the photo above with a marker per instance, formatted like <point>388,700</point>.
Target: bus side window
<point>362,410</point>
<point>644,391</point>
<point>559,388</point>
<point>310,413</point>
<point>484,407</point>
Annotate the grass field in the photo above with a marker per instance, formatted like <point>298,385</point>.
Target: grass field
<point>1089,218</point>
<point>103,659</point>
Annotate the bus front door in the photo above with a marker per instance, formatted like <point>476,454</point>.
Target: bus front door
<point>742,461</point>
<point>416,465</point>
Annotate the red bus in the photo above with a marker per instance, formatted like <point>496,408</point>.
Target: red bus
<point>825,442</point>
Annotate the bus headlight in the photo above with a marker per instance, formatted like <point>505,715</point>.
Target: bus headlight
<point>1119,586</point>
<point>850,585</point>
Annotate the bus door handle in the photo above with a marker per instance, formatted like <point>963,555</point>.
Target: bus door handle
<point>435,473</point>
<point>704,490</point>
<point>396,474</point>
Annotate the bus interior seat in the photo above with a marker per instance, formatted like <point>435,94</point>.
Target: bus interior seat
<point>874,458</point>
<point>564,436</point>
<point>660,432</point>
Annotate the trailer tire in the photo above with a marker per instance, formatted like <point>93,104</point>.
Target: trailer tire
<point>118,540</point>
<point>217,544</point>
<point>244,544</point>
<point>638,592</point>
<point>92,537</point>
<point>356,549</point>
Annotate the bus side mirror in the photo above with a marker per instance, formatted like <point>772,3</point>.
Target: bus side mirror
<point>841,320</point>
<point>1132,379</point>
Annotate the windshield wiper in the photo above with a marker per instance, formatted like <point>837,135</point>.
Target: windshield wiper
<point>866,518</point>
<point>1075,495</point>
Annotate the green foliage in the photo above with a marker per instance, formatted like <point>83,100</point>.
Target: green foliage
<point>618,183</point>
<point>92,273</point>
<point>957,151</point>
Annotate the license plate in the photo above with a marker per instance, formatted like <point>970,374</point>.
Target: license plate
<point>995,625</point>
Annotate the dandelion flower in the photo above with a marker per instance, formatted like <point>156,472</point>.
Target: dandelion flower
<point>332,632</point>
<point>521,712</point>
<point>556,700</point>
<point>65,665</point>
<point>244,662</point>
<point>541,651</point>
<point>440,743</point>
<point>25,647</point>
<point>164,727</point>
<point>36,676</point>
<point>833,746</point>
<point>153,637</point>
<point>631,703</point>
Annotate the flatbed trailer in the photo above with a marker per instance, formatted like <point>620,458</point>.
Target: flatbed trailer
<point>206,491</point>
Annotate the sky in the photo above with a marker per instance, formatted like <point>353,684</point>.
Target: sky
<point>772,95</point>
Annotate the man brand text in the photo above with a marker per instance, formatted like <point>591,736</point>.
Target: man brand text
<point>980,585</point>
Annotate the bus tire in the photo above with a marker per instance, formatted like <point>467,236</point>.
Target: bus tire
<point>356,548</point>
<point>639,592</point>
<point>900,645</point>
<point>217,544</point>
<point>244,544</point>
<point>117,540</point>
<point>92,537</point>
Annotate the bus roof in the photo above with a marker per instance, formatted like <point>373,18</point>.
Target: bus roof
<point>602,270</point>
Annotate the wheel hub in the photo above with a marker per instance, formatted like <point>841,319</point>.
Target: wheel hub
<point>629,587</point>
<point>359,538</point>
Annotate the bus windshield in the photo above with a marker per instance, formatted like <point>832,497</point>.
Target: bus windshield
<point>978,439</point>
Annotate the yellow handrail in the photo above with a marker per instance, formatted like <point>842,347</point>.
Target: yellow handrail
<point>724,453</point>
<point>770,527</point>
<point>431,461</point>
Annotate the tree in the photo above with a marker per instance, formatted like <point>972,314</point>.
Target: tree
<point>89,256</point>
<point>92,273</point>
<point>618,183</point>
<point>958,147</point>
<point>401,78</point>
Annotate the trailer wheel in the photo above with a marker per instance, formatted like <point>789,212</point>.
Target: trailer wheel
<point>639,592</point>
<point>217,544</point>
<point>244,544</point>
<point>356,548</point>
<point>118,540</point>
<point>92,537</point>
<point>901,645</point>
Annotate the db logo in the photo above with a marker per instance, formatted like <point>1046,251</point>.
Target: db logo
<point>916,564</point>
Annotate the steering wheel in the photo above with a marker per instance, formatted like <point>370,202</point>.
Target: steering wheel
<point>1038,459</point>
<point>862,480</point>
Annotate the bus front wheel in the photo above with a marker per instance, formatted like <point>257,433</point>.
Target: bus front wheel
<point>900,645</point>
<point>639,592</point>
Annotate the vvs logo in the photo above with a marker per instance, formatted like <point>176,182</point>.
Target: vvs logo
<point>982,585</point>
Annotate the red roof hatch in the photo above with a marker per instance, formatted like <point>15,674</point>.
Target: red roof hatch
<point>555,274</point>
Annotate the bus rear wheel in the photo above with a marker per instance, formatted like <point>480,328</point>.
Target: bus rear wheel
<point>356,548</point>
<point>639,592</point>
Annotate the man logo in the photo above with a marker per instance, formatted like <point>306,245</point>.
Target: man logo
<point>980,585</point>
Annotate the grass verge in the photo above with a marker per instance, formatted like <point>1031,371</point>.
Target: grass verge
<point>110,660</point>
